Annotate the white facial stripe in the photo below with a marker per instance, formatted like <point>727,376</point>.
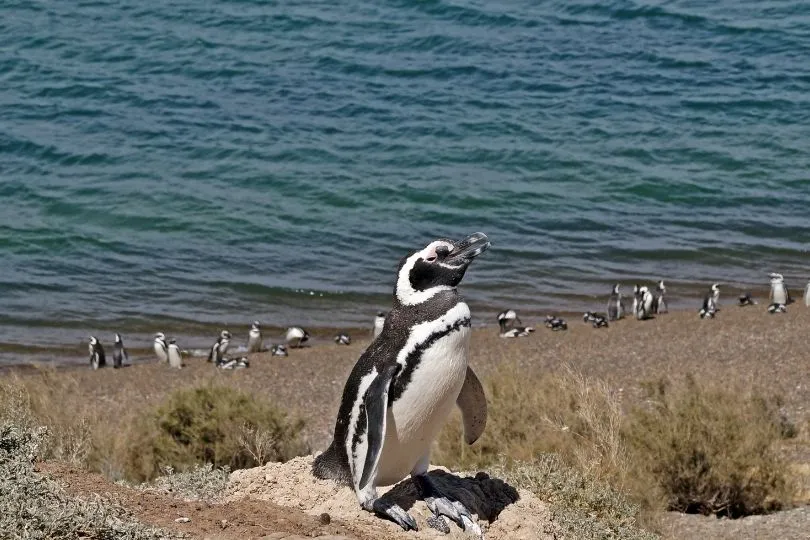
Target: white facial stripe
<point>362,445</point>
<point>421,332</point>
<point>405,292</point>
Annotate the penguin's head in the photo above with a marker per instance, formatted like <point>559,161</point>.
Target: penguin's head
<point>160,337</point>
<point>716,288</point>
<point>93,341</point>
<point>118,338</point>
<point>661,286</point>
<point>776,278</point>
<point>225,334</point>
<point>255,325</point>
<point>172,341</point>
<point>381,314</point>
<point>439,266</point>
<point>615,289</point>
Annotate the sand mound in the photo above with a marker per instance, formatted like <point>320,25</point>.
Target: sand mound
<point>503,511</point>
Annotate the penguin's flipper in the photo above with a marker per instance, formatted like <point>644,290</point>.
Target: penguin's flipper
<point>473,404</point>
<point>375,401</point>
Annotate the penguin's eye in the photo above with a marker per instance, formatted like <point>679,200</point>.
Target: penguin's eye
<point>431,259</point>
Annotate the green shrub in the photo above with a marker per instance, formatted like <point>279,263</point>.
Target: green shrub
<point>212,424</point>
<point>710,450</point>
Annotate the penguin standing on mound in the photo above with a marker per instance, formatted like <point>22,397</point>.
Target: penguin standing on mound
<point>644,303</point>
<point>255,338</point>
<point>161,349</point>
<point>403,387</point>
<point>615,306</point>
<point>119,352</point>
<point>220,346</point>
<point>97,359</point>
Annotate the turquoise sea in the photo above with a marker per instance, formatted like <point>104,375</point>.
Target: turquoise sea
<point>187,165</point>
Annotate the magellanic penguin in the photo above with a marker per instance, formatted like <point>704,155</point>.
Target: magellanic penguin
<point>508,317</point>
<point>596,320</point>
<point>659,301</point>
<point>296,336</point>
<point>635,299</point>
<point>343,339</point>
<point>715,294</point>
<point>175,358</point>
<point>506,323</point>
<point>615,306</point>
<point>779,292</point>
<point>746,299</point>
<point>709,308</point>
<point>807,294</point>
<point>97,359</point>
<point>777,308</point>
<point>161,349</point>
<point>278,350</point>
<point>517,331</point>
<point>379,321</point>
<point>255,338</point>
<point>556,323</point>
<point>220,346</point>
<point>119,352</point>
<point>644,304</point>
<point>405,384</point>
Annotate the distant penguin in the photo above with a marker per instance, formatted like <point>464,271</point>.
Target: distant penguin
<point>777,308</point>
<point>589,316</point>
<point>599,322</point>
<point>119,352</point>
<point>161,349</point>
<point>556,323</point>
<point>659,300</point>
<point>404,386</point>
<point>709,308</point>
<point>615,306</point>
<point>379,322</point>
<point>255,338</point>
<point>516,331</point>
<point>220,346</point>
<point>636,290</point>
<point>746,299</point>
<point>807,294</point>
<point>97,359</point>
<point>296,336</point>
<point>224,342</point>
<point>779,292</point>
<point>507,328</point>
<point>715,292</point>
<point>278,350</point>
<point>175,358</point>
<point>343,339</point>
<point>508,317</point>
<point>644,304</point>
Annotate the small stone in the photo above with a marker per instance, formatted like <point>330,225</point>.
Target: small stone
<point>325,519</point>
<point>182,520</point>
<point>223,523</point>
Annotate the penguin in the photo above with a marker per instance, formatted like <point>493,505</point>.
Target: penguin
<point>220,346</point>
<point>508,317</point>
<point>644,304</point>
<point>599,322</point>
<point>343,339</point>
<point>708,309</point>
<point>255,338</point>
<point>175,358</point>
<point>97,359</point>
<point>556,323</point>
<point>777,308</point>
<point>746,299</point>
<point>278,350</point>
<point>379,322</point>
<point>635,299</point>
<point>403,387</point>
<point>807,294</point>
<point>506,323</point>
<point>296,336</point>
<point>119,352</point>
<point>517,331</point>
<point>659,302</point>
<point>715,292</point>
<point>161,349</point>
<point>589,316</point>
<point>615,306</point>
<point>779,292</point>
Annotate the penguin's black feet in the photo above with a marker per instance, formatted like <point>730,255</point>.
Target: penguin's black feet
<point>441,505</point>
<point>391,511</point>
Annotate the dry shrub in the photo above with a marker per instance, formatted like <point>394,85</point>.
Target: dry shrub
<point>561,413</point>
<point>212,424</point>
<point>710,449</point>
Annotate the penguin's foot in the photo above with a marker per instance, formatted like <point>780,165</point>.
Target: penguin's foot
<point>391,511</point>
<point>441,505</point>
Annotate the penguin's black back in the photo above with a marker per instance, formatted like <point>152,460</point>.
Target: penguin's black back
<point>334,462</point>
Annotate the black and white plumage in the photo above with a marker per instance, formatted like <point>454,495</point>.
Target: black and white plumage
<point>777,308</point>
<point>746,299</point>
<point>119,352</point>
<point>296,336</point>
<point>659,298</point>
<point>556,323</point>
<point>97,358</point>
<point>161,348</point>
<point>343,339</point>
<point>715,294</point>
<point>516,331</point>
<point>405,384</point>
<point>508,317</point>
<point>807,295</point>
<point>235,363</point>
<point>217,352</point>
<point>279,350</point>
<point>379,322</point>
<point>779,292</point>
<point>636,289</point>
<point>255,338</point>
<point>507,328</point>
<point>175,358</point>
<point>644,303</point>
<point>615,306</point>
<point>709,309</point>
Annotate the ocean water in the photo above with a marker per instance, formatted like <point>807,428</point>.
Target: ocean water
<point>186,165</point>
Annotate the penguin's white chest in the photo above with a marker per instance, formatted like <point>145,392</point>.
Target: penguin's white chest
<point>778,294</point>
<point>416,417</point>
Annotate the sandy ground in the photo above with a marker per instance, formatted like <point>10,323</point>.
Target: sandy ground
<point>742,346</point>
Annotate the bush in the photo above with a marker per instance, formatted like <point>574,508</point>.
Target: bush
<point>32,506</point>
<point>212,424</point>
<point>202,483</point>
<point>710,450</point>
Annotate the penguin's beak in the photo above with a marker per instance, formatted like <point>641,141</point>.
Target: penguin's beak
<point>466,250</point>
